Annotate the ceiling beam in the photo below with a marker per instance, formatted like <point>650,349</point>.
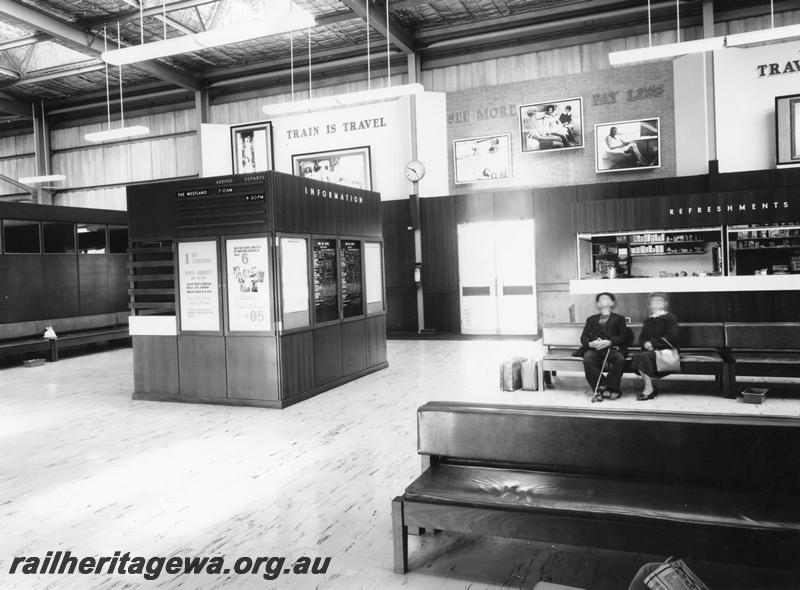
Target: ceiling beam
<point>401,37</point>
<point>15,107</point>
<point>132,14</point>
<point>75,37</point>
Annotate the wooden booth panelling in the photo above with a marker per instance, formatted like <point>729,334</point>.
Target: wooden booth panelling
<point>287,356</point>
<point>401,293</point>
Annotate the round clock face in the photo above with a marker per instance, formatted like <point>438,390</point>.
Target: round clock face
<point>415,170</point>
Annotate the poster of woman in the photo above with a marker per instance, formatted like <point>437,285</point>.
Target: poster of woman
<point>252,148</point>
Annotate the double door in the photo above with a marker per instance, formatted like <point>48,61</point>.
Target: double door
<point>497,277</point>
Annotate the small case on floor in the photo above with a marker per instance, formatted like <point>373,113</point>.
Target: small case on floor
<point>530,375</point>
<point>511,374</point>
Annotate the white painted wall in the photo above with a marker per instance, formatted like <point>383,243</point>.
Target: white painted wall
<point>389,141</point>
<point>691,115</point>
<point>745,104</point>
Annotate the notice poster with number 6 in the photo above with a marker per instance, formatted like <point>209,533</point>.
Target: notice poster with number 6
<point>248,285</point>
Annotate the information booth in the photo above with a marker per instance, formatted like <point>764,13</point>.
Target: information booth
<point>262,289</point>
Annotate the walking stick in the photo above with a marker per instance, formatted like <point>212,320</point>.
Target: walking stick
<point>600,377</point>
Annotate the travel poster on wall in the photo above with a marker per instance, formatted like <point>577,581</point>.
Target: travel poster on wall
<point>248,285</point>
<point>198,286</point>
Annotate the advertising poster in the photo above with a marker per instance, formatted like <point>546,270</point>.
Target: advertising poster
<point>248,285</point>
<point>199,286</point>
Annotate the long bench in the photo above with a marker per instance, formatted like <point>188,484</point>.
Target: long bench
<point>702,351</point>
<point>764,349</point>
<point>23,338</point>
<point>719,488</point>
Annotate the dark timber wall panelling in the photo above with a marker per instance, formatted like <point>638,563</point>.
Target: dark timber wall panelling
<point>398,254</point>
<point>440,263</point>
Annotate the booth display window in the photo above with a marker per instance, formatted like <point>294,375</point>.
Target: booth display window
<point>373,276</point>
<point>58,237</point>
<point>198,286</point>
<point>249,302</point>
<point>294,282</point>
<point>326,281</point>
<point>21,236</point>
<point>352,283</point>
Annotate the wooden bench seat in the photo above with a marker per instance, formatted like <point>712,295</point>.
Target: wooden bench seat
<point>708,487</point>
<point>702,351</point>
<point>764,349</point>
<point>26,337</point>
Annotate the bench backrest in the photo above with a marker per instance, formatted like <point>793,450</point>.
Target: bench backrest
<point>77,323</point>
<point>763,336</point>
<point>18,330</point>
<point>707,450</point>
<point>696,335</point>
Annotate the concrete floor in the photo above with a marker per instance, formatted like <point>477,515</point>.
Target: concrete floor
<point>85,468</point>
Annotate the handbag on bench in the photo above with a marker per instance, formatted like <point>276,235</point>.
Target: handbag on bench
<point>668,360</point>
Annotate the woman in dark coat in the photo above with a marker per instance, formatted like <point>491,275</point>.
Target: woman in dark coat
<point>660,331</point>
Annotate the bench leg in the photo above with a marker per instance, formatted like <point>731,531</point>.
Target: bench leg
<point>53,351</point>
<point>400,534</point>
<point>729,381</point>
<point>547,379</point>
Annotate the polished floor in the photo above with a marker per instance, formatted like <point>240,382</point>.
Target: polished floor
<point>85,468</point>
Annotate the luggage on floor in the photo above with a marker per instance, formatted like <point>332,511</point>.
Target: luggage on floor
<point>511,374</point>
<point>530,375</point>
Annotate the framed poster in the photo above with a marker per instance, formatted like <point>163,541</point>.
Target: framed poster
<point>787,129</point>
<point>352,283</point>
<point>373,276</point>
<point>198,286</point>
<point>252,148</point>
<point>294,282</point>
<point>551,126</point>
<point>247,260</point>
<point>326,281</point>
<point>479,159</point>
<point>627,145</point>
<point>349,167</point>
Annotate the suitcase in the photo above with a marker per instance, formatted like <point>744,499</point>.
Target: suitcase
<point>530,375</point>
<point>511,374</point>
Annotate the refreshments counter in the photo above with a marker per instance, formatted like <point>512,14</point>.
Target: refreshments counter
<point>753,244</point>
<point>261,289</point>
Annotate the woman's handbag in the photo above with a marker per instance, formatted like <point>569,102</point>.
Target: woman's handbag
<point>668,360</point>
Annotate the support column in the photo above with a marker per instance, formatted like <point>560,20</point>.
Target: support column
<point>41,149</point>
<point>711,110</point>
<point>413,77</point>
<point>202,111</point>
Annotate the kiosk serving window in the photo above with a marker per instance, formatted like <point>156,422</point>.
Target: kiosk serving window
<point>352,285</point>
<point>373,270</point>
<point>764,250</point>
<point>58,237</point>
<point>326,282</point>
<point>248,285</point>
<point>91,238</point>
<point>198,286</point>
<point>21,237</point>
<point>294,282</point>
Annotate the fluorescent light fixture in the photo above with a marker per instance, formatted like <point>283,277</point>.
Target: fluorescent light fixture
<point>337,100</point>
<point>42,179</point>
<point>282,22</point>
<point>118,133</point>
<point>655,52</point>
<point>764,35</point>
